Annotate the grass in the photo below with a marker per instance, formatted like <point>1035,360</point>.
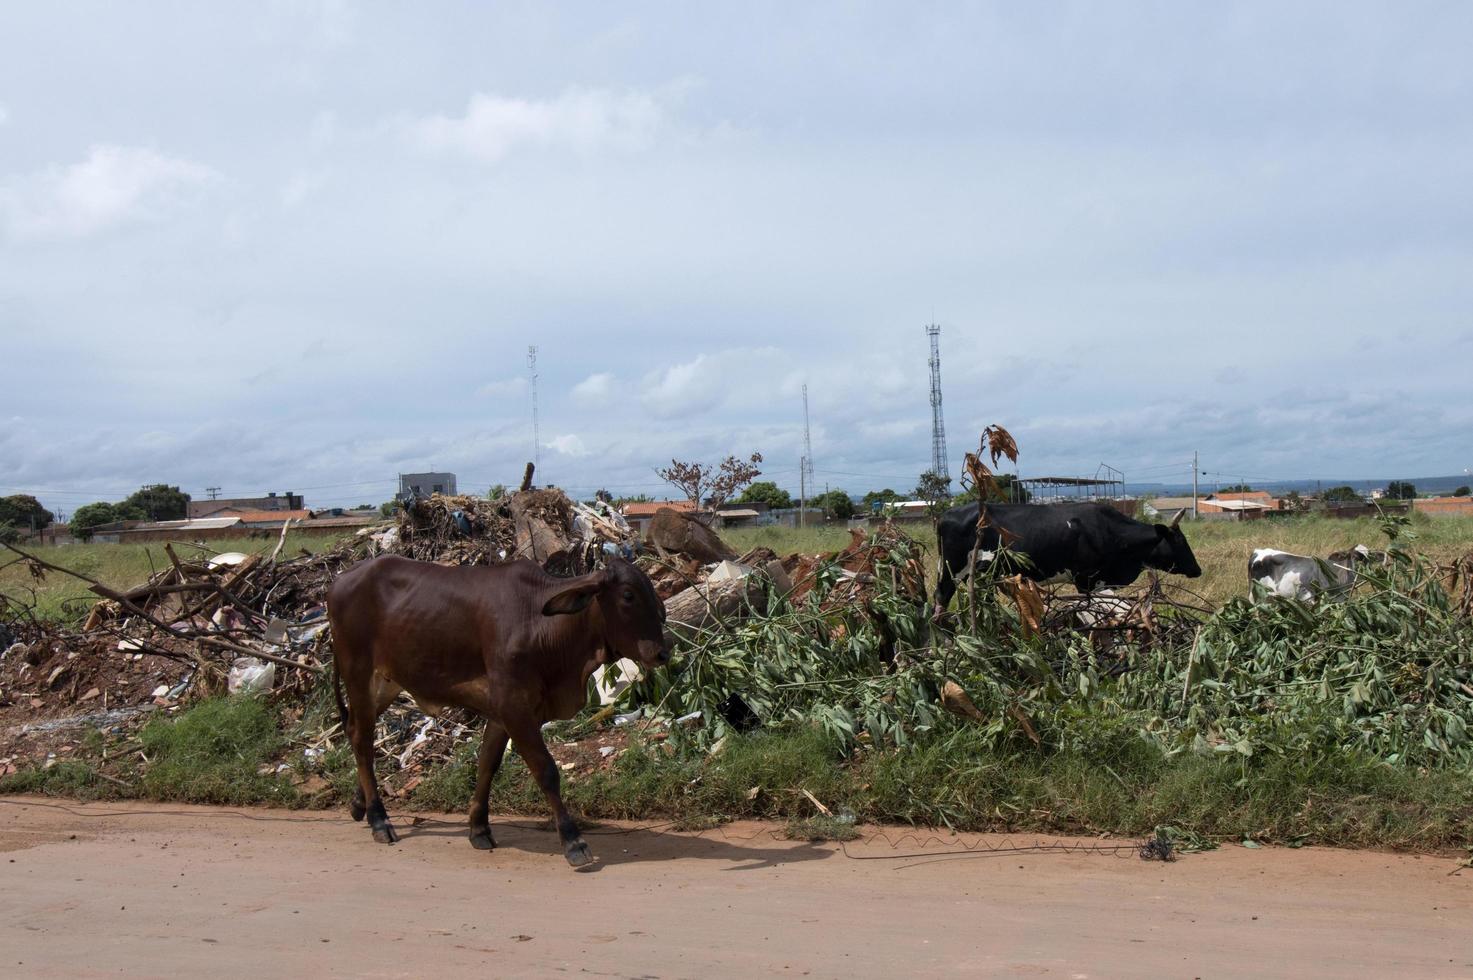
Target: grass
<point>1222,549</point>
<point>1119,784</point>
<point>221,751</point>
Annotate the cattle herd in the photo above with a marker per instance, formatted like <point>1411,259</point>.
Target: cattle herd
<point>517,646</point>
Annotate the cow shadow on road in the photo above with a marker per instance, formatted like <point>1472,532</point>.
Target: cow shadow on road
<point>744,849</point>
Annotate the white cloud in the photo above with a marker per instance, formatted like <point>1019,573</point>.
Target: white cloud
<point>594,388</point>
<point>581,119</point>
<point>301,186</point>
<point>506,388</point>
<point>113,185</point>
<point>568,445</point>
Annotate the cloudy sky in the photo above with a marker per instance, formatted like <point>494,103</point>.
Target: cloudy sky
<point>306,245</point>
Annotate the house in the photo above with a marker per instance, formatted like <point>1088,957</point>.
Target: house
<point>272,501</point>
<point>250,517</point>
<point>425,484</point>
<point>739,516</point>
<point>641,513</point>
<point>199,528</point>
<point>1238,510</point>
<point>1247,505</point>
<point>1165,509</point>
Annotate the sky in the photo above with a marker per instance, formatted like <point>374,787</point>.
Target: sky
<point>306,245</point>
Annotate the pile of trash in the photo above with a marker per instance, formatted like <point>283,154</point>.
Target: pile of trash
<point>208,623</point>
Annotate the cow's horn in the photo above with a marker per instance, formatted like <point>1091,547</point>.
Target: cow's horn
<point>1177,519</point>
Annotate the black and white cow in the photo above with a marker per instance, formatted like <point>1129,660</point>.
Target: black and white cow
<point>1094,542</point>
<point>1305,576</point>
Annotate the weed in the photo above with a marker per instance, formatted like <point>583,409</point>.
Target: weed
<point>219,751</point>
<point>820,828</point>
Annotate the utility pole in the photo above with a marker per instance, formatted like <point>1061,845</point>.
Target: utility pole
<point>1194,484</point>
<point>805,465</point>
<point>536,435</point>
<point>214,492</point>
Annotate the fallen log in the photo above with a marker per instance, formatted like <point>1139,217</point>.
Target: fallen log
<point>710,604</point>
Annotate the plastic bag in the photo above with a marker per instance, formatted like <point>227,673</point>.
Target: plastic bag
<point>249,675</point>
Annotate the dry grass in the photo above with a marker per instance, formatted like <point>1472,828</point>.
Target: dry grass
<point>1222,549</point>
<point>122,566</point>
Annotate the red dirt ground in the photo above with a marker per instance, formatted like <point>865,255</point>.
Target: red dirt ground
<point>152,890</point>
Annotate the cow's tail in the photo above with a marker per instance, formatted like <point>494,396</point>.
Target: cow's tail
<point>337,693</point>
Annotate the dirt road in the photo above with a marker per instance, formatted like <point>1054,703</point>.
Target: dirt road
<point>151,890</point>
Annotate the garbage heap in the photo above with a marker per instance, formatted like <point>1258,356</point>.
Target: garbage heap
<point>210,622</point>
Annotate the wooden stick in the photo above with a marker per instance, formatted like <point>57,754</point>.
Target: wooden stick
<point>279,542</point>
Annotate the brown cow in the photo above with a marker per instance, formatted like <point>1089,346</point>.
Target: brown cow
<point>509,642</point>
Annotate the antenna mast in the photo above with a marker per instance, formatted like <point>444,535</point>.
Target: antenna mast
<point>805,465</point>
<point>536,434</point>
<point>938,425</point>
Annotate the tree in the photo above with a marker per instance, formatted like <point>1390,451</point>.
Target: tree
<point>881,497</point>
<point>157,502</point>
<point>1401,490</point>
<point>935,490</point>
<point>766,492</point>
<point>1463,492</point>
<point>1236,488</point>
<point>388,507</point>
<point>88,516</point>
<point>23,512</point>
<point>711,485</point>
<point>836,505</point>
<point>1294,502</point>
<point>1341,495</point>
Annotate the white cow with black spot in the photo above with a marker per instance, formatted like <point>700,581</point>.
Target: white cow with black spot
<point>1304,576</point>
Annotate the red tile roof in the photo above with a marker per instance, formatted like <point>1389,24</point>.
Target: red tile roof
<point>649,509</point>
<point>264,516</point>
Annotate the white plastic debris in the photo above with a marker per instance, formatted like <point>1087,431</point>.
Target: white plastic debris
<point>625,719</point>
<point>610,680</point>
<point>251,675</point>
<point>227,558</point>
<point>275,631</point>
<point>420,738</point>
<point>689,720</point>
<point>606,750</point>
<point>161,690</point>
<point>728,571</point>
<point>130,644</point>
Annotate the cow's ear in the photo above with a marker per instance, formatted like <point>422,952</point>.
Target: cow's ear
<point>573,597</point>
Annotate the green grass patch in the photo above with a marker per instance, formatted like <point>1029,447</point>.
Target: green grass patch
<point>75,779</point>
<point>962,783</point>
<point>215,753</point>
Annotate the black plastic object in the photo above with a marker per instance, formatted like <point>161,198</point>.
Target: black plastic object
<point>738,713</point>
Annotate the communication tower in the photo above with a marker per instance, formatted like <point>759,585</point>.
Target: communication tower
<point>938,425</point>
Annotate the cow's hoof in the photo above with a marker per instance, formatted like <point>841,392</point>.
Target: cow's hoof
<point>578,854</point>
<point>384,834</point>
<point>356,809</point>
<point>482,840</point>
